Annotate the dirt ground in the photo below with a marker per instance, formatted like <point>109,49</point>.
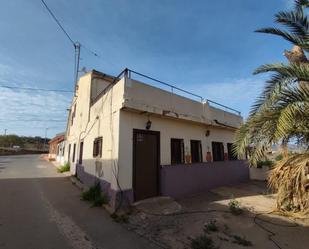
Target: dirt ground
<point>172,224</point>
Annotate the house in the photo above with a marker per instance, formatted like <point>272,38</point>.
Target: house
<point>141,140</point>
<point>56,147</point>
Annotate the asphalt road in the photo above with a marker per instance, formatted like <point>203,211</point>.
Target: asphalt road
<point>41,209</point>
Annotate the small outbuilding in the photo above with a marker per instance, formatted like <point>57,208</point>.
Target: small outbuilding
<point>56,146</point>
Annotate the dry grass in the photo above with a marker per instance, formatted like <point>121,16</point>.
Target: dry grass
<point>289,179</point>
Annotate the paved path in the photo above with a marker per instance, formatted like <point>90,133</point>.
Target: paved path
<point>41,209</point>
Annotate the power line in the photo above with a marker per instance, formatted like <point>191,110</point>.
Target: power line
<point>66,33</point>
<point>32,120</point>
<point>35,89</point>
<point>90,51</point>
<point>77,45</point>
<point>58,22</point>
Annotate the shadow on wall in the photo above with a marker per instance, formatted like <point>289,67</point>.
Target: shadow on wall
<point>104,171</point>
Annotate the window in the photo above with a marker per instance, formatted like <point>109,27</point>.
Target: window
<point>196,151</point>
<point>74,149</point>
<point>97,147</point>
<point>63,148</point>
<point>81,148</point>
<point>217,151</point>
<point>177,151</point>
<point>230,152</point>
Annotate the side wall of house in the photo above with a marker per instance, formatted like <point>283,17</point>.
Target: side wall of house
<point>93,121</point>
<point>168,128</point>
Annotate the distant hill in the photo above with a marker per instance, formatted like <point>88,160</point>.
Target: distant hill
<point>11,144</point>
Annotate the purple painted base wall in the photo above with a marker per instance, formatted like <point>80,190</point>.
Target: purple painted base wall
<point>184,180</point>
<point>117,198</point>
<point>178,180</point>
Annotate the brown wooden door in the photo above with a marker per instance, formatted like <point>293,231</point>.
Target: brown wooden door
<point>146,160</point>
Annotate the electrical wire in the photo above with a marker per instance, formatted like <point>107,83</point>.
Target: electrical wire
<point>32,120</point>
<point>75,44</point>
<point>90,51</point>
<point>58,22</point>
<point>35,89</point>
<point>66,33</point>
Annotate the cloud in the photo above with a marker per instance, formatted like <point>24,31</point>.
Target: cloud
<point>44,109</point>
<point>29,112</point>
<point>236,93</point>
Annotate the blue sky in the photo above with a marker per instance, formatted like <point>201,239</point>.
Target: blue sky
<point>207,47</point>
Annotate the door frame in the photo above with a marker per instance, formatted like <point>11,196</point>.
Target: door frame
<point>157,134</point>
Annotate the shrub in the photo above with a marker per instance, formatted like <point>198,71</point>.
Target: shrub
<point>64,168</point>
<point>122,218</point>
<point>95,195</point>
<point>211,226</point>
<point>234,207</point>
<point>279,157</point>
<point>202,242</point>
<point>241,241</point>
<point>267,163</point>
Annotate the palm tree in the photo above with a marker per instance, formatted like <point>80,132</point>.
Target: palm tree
<point>281,113</point>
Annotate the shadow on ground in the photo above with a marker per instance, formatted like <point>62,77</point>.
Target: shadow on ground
<point>256,227</point>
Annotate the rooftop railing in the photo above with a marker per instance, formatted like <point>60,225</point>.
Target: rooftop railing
<point>165,86</point>
<point>174,89</point>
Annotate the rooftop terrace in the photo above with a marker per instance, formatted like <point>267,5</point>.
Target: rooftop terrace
<point>131,74</point>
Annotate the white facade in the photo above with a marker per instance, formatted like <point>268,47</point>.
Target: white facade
<point>60,152</point>
<point>127,104</point>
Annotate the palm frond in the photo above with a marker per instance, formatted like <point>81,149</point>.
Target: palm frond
<point>289,179</point>
<point>301,4</point>
<point>294,39</point>
<point>299,71</point>
<point>296,22</point>
<point>270,92</point>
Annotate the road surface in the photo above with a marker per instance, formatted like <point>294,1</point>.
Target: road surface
<point>41,209</point>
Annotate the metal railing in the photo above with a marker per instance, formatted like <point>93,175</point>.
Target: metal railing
<point>129,73</point>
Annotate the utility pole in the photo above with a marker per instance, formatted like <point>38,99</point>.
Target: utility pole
<point>77,59</point>
<point>5,132</point>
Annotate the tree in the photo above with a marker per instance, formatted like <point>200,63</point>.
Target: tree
<point>281,113</point>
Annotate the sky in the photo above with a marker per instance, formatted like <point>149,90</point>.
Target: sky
<point>207,47</point>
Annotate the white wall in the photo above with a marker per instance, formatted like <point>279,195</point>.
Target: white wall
<point>169,128</point>
<point>60,156</point>
<point>143,97</point>
<point>98,120</point>
<point>107,118</point>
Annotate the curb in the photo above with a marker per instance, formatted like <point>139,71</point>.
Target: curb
<point>83,187</point>
<point>78,183</point>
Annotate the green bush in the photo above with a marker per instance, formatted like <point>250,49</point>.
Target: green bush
<point>64,168</point>
<point>202,242</point>
<point>267,163</point>
<point>211,226</point>
<point>241,241</point>
<point>279,157</point>
<point>122,218</point>
<point>234,207</point>
<point>95,195</point>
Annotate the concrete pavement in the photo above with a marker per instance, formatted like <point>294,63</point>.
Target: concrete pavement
<point>41,209</point>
